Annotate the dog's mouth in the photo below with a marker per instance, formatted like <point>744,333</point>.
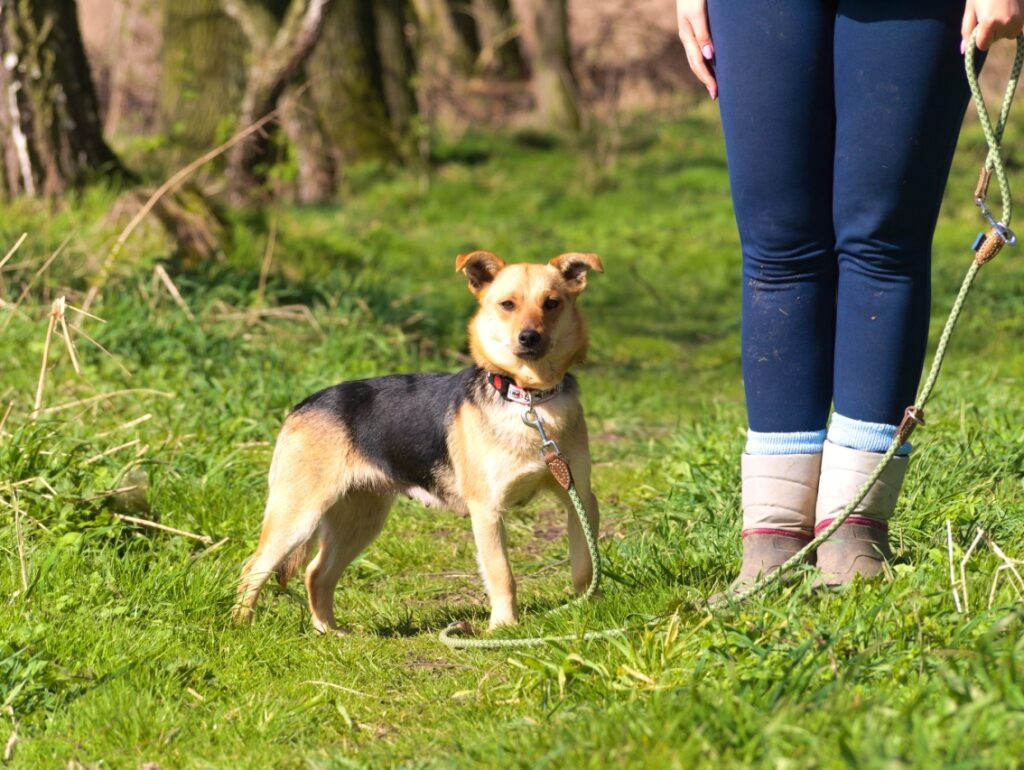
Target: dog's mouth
<point>529,354</point>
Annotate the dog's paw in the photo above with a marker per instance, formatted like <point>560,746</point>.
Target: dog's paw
<point>241,615</point>
<point>330,630</point>
<point>501,621</point>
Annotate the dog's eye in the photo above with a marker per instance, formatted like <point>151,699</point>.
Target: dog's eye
<point>551,303</point>
<point>508,304</point>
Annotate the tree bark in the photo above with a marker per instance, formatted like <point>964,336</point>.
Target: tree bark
<point>500,53</point>
<point>298,115</point>
<point>202,56</point>
<point>555,88</point>
<point>268,78</point>
<point>443,48</point>
<point>52,136</point>
<point>348,84</point>
<point>397,66</point>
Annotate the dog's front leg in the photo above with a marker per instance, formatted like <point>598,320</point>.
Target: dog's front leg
<point>492,552</point>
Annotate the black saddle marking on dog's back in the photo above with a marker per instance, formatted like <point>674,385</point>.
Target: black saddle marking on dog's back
<point>400,422</point>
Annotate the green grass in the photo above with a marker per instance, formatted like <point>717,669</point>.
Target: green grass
<point>120,651</point>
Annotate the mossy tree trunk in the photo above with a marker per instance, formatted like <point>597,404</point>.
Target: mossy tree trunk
<point>500,53</point>
<point>52,134</point>
<point>354,79</point>
<point>315,182</point>
<point>269,76</point>
<point>443,49</point>
<point>397,66</point>
<point>202,56</point>
<point>555,88</point>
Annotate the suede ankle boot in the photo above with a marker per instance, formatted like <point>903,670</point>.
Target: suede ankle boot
<point>779,497</point>
<point>861,545</point>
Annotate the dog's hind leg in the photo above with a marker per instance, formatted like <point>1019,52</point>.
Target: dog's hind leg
<point>346,530</point>
<point>288,525</point>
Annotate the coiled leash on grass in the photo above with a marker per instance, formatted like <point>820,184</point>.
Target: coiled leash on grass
<point>986,246</point>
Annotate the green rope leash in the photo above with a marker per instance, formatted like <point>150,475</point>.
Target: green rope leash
<point>462,643</point>
<point>986,247</point>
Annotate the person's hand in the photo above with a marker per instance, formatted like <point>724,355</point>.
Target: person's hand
<point>692,16</point>
<point>995,20</point>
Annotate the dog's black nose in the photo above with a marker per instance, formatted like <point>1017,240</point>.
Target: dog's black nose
<point>529,338</point>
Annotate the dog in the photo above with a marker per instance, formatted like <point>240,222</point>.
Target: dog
<point>452,440</point>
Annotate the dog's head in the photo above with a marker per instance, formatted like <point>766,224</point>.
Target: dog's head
<point>528,325</point>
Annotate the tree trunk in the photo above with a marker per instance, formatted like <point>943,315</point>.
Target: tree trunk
<point>443,49</point>
<point>499,39</point>
<point>268,78</point>
<point>397,66</point>
<point>202,56</point>
<point>52,136</point>
<point>554,85</point>
<point>348,84</point>
<point>299,119</point>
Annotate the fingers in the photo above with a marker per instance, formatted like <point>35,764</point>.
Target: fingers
<point>995,20</point>
<point>967,26</point>
<point>696,38</point>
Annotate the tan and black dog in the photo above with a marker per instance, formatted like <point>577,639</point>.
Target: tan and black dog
<point>452,440</point>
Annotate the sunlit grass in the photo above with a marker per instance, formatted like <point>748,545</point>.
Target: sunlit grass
<point>120,651</point>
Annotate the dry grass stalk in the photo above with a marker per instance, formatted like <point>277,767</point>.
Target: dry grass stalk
<point>268,258</point>
<point>3,420</point>
<point>12,250</point>
<point>20,537</point>
<point>9,747</point>
<point>257,316</point>
<point>32,281</point>
<point>165,279</point>
<point>40,387</point>
<point>108,452</point>
<point>963,567</point>
<point>163,527</point>
<point>57,316</point>
<point>104,396</point>
<point>124,426</point>
<point>952,567</point>
<point>1009,567</point>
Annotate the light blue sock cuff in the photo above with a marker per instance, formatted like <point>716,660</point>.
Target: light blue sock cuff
<point>864,436</point>
<point>801,443</point>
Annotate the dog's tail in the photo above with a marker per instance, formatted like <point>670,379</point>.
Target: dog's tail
<point>294,561</point>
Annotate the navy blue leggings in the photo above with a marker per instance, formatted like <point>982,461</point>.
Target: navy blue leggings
<point>840,119</point>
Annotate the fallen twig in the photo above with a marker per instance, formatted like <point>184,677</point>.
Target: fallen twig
<point>211,549</point>
<point>163,527</point>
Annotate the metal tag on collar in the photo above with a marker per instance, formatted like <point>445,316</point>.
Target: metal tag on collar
<point>531,418</point>
<point>519,395</point>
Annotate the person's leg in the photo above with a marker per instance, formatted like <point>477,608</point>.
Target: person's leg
<point>773,61</point>
<point>900,94</point>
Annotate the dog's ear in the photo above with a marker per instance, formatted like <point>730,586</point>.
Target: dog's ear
<point>574,267</point>
<point>480,267</point>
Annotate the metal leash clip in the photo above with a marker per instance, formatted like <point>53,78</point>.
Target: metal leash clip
<point>531,418</point>
<point>1009,237</point>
